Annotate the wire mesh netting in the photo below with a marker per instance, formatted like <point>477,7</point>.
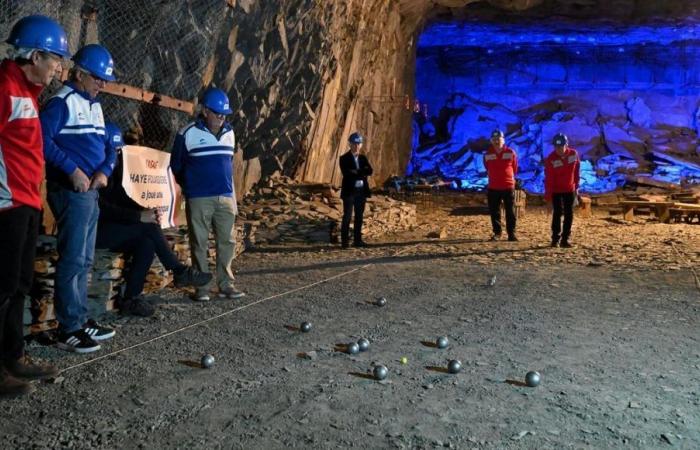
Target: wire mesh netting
<point>160,46</point>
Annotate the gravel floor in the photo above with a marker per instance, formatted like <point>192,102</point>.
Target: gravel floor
<point>612,326</point>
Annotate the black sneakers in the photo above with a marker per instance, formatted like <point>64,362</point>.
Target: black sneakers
<point>190,276</point>
<point>137,306</point>
<point>97,332</point>
<point>78,341</point>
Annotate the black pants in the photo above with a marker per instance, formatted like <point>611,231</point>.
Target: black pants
<point>356,201</point>
<point>141,242</point>
<point>562,204</point>
<point>19,228</point>
<point>495,197</point>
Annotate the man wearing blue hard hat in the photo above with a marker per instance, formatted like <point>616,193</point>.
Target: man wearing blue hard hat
<point>354,190</point>
<point>202,163</point>
<point>39,45</point>
<point>79,162</point>
<point>127,227</point>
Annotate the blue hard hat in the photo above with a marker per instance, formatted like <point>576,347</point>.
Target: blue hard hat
<point>216,100</point>
<point>96,60</point>
<point>40,33</point>
<point>355,138</point>
<point>560,139</point>
<point>497,133</point>
<point>114,135</point>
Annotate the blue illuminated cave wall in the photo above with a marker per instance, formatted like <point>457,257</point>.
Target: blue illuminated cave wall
<point>627,97</point>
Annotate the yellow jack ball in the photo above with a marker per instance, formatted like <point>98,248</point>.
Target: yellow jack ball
<point>404,360</point>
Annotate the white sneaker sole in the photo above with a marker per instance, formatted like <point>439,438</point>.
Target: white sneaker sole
<point>70,348</point>
<point>232,297</point>
<point>104,337</point>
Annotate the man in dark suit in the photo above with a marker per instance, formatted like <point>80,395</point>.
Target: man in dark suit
<point>355,190</point>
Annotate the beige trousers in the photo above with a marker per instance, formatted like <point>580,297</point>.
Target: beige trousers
<point>219,213</point>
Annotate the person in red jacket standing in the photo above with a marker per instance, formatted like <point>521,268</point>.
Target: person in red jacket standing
<point>561,181</point>
<point>501,164</point>
<point>40,44</point>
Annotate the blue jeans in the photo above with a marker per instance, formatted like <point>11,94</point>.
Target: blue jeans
<point>76,216</point>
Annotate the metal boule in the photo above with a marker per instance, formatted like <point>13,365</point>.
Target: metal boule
<point>454,366</point>
<point>381,301</point>
<point>305,327</point>
<point>208,361</point>
<point>533,378</point>
<point>442,342</point>
<point>380,372</point>
<point>363,344</point>
<point>353,348</point>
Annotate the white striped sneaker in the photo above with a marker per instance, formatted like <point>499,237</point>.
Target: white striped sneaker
<point>97,332</point>
<point>77,341</point>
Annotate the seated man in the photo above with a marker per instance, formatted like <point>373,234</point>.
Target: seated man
<point>125,226</point>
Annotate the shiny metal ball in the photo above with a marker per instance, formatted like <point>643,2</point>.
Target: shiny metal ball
<point>353,348</point>
<point>363,344</point>
<point>533,379</point>
<point>380,372</point>
<point>208,361</point>
<point>305,327</point>
<point>442,342</point>
<point>381,301</point>
<point>454,366</point>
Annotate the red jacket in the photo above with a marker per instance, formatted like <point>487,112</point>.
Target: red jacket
<point>561,173</point>
<point>21,144</point>
<point>501,167</point>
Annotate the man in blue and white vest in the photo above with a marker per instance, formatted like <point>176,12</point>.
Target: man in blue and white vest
<point>202,163</point>
<point>78,163</point>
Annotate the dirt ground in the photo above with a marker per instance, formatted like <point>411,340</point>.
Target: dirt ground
<point>612,326</point>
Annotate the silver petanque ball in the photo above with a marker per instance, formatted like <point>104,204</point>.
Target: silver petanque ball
<point>454,366</point>
<point>305,327</point>
<point>381,301</point>
<point>380,372</point>
<point>208,361</point>
<point>353,348</point>
<point>363,344</point>
<point>533,379</point>
<point>442,342</point>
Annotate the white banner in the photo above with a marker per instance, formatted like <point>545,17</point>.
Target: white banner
<point>148,181</point>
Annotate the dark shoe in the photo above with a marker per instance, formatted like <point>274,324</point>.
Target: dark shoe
<point>191,277</point>
<point>360,244</point>
<point>495,237</point>
<point>345,245</point>
<point>201,295</point>
<point>27,369</point>
<point>77,341</point>
<point>565,244</point>
<point>135,307</point>
<point>230,292</point>
<point>13,387</point>
<point>513,238</point>
<point>97,332</point>
<point>555,244</point>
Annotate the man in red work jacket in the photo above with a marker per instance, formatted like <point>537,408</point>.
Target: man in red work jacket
<point>561,181</point>
<point>501,165</point>
<point>39,46</point>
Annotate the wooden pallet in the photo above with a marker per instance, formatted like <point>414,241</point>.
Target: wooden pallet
<point>661,209</point>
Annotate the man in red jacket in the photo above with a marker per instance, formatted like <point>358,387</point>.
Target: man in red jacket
<point>561,181</point>
<point>501,165</point>
<point>40,44</point>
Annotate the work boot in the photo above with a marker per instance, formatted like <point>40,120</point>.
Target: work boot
<point>555,243</point>
<point>230,292</point>
<point>13,387</point>
<point>189,276</point>
<point>137,306</point>
<point>360,244</point>
<point>26,369</point>
<point>513,238</point>
<point>565,244</point>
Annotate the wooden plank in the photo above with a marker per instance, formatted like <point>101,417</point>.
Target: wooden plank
<point>628,212</point>
<point>687,206</point>
<point>645,203</point>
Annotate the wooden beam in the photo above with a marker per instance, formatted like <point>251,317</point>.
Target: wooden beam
<point>134,93</point>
